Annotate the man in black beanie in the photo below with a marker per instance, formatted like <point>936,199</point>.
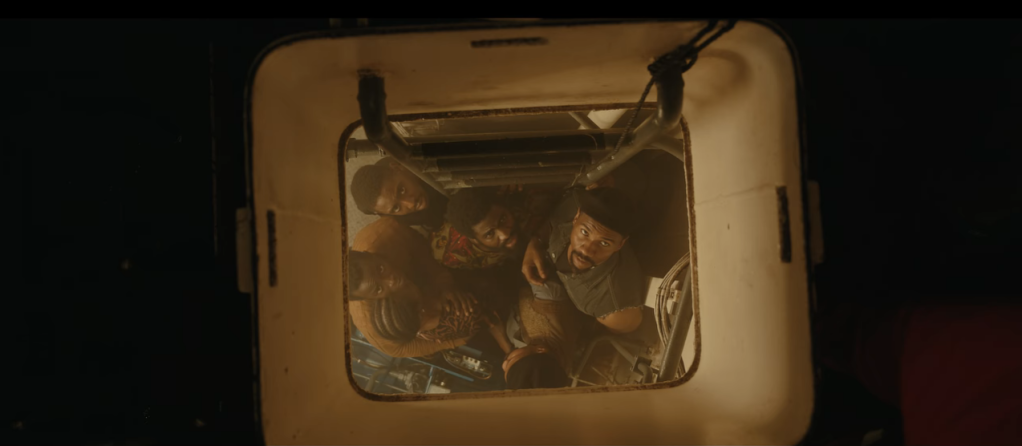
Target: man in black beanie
<point>583,253</point>
<point>533,370</point>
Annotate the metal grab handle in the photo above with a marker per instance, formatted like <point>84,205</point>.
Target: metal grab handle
<point>372,101</point>
<point>670,90</point>
<point>679,332</point>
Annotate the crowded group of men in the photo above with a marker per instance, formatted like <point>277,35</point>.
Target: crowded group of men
<point>534,268</point>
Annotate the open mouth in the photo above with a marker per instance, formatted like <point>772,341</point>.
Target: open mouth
<point>580,261</point>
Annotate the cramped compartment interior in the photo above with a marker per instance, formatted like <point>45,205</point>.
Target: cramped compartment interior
<point>487,149</point>
<point>749,379</point>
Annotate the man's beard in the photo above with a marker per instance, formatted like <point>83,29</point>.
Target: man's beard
<point>576,255</point>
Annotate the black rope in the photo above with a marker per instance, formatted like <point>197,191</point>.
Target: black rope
<point>684,55</point>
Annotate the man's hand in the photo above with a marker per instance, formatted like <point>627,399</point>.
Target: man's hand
<point>533,264</point>
<point>459,303</point>
<point>507,364</point>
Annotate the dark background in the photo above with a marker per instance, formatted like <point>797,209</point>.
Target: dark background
<point>124,323</point>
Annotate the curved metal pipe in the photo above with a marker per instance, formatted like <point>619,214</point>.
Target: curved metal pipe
<point>669,85</point>
<point>670,145</point>
<point>646,132</point>
<point>670,91</point>
<point>372,102</point>
<point>671,361</point>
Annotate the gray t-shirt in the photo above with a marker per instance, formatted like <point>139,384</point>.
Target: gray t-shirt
<point>611,286</point>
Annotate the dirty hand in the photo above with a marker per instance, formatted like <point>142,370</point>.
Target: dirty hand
<point>532,264</point>
<point>459,303</point>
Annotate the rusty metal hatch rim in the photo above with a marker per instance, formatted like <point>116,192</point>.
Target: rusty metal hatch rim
<point>289,40</point>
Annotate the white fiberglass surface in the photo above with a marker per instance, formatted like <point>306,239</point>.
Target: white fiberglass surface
<point>751,381</point>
